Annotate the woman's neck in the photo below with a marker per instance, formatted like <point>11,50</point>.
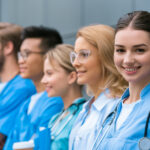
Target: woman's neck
<point>134,91</point>
<point>71,95</point>
<point>96,90</point>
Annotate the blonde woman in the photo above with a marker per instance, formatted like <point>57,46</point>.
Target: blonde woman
<point>60,80</point>
<point>93,60</point>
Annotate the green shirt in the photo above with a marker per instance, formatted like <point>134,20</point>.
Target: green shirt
<point>61,125</point>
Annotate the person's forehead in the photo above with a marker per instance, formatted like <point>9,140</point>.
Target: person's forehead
<point>30,43</point>
<point>131,35</point>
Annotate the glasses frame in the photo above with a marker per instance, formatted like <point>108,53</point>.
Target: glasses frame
<point>78,57</point>
<point>25,54</point>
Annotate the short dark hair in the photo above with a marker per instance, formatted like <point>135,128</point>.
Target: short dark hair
<point>139,20</point>
<point>49,37</point>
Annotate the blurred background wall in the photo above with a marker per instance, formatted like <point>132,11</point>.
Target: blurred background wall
<point>67,16</point>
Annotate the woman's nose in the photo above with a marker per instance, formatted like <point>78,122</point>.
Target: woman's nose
<point>129,58</point>
<point>76,62</point>
<point>43,80</point>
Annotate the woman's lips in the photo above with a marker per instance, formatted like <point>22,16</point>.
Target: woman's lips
<point>80,73</point>
<point>131,70</point>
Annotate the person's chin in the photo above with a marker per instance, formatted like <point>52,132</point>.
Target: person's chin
<point>51,95</point>
<point>24,76</point>
<point>80,81</point>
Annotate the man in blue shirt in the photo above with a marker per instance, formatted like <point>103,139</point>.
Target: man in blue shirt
<point>14,90</point>
<point>39,109</point>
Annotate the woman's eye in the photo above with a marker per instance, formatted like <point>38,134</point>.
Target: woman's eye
<point>49,73</point>
<point>120,50</point>
<point>140,50</point>
<point>84,54</point>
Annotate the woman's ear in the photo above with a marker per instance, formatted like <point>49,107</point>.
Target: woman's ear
<point>8,48</point>
<point>72,77</point>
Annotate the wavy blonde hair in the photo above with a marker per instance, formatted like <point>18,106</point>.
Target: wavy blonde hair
<point>102,38</point>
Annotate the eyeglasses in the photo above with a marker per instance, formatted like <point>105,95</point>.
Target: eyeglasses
<point>25,54</point>
<point>82,56</point>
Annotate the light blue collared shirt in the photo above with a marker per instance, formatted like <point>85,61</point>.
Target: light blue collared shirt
<point>132,129</point>
<point>88,122</point>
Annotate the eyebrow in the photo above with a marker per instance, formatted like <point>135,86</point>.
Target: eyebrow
<point>81,50</point>
<point>26,50</point>
<point>119,45</point>
<point>139,45</point>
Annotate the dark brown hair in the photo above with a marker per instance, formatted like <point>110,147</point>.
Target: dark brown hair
<point>139,20</point>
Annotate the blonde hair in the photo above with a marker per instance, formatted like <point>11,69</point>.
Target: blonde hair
<point>102,38</point>
<point>61,54</point>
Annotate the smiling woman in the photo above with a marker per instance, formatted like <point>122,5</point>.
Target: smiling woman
<point>93,61</point>
<point>130,130</point>
<point>60,80</point>
<point>132,55</point>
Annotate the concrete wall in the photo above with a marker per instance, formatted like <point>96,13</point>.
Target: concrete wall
<point>67,16</point>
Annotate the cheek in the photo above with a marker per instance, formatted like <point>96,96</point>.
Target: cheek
<point>145,60</point>
<point>52,80</point>
<point>31,60</point>
<point>117,60</point>
<point>55,79</point>
<point>37,66</point>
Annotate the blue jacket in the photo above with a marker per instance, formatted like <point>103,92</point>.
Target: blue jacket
<point>15,93</point>
<point>57,136</point>
<point>28,125</point>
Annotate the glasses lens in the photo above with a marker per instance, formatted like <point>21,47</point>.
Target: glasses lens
<point>83,55</point>
<point>144,143</point>
<point>72,57</point>
<point>19,55</point>
<point>22,55</point>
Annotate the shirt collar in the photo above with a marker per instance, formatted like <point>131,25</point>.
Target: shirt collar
<point>101,101</point>
<point>145,90</point>
<point>143,93</point>
<point>79,100</point>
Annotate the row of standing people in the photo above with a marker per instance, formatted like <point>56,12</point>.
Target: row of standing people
<point>35,111</point>
<point>105,120</point>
